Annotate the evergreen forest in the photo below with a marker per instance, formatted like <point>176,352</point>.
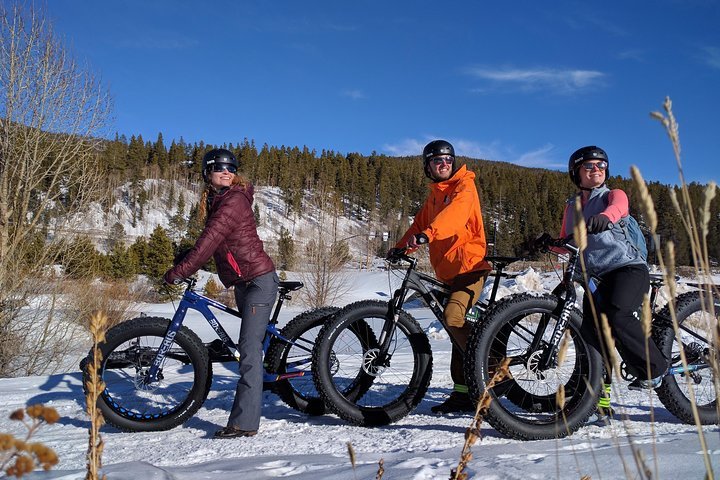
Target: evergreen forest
<point>518,203</point>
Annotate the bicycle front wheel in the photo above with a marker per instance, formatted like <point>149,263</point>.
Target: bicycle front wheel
<point>129,401</point>
<point>519,328</point>
<point>695,384</point>
<point>352,378</point>
<point>294,357</point>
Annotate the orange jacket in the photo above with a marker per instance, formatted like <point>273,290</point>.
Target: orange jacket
<point>452,220</point>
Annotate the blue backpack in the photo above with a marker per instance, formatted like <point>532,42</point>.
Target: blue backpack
<point>635,235</point>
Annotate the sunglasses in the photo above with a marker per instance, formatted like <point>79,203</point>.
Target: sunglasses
<point>444,159</point>
<point>589,166</point>
<point>219,167</point>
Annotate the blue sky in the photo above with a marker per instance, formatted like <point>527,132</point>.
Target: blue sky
<point>525,82</point>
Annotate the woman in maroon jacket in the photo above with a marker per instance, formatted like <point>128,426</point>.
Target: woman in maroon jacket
<point>230,237</point>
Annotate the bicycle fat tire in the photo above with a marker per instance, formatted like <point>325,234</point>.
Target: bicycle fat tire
<point>375,398</point>
<point>674,392</point>
<point>507,331</point>
<point>164,405</point>
<point>299,393</point>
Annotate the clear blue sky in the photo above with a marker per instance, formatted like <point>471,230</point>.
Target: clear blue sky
<point>525,82</point>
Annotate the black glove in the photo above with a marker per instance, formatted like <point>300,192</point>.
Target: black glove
<point>540,243</point>
<point>598,223</point>
<point>394,253</point>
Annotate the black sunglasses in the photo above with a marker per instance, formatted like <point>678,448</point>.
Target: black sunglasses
<point>219,167</point>
<point>601,165</point>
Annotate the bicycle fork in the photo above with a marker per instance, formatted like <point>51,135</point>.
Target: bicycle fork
<point>153,373</point>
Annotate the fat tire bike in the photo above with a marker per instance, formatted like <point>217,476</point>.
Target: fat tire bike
<point>157,372</point>
<point>394,375</point>
<point>549,394</point>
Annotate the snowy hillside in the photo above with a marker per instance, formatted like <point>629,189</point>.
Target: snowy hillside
<point>159,210</point>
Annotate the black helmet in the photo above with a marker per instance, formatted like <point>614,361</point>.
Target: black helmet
<point>584,154</point>
<point>434,149</point>
<point>217,156</point>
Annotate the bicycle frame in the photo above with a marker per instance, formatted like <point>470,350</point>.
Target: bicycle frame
<point>191,300</point>
<point>567,288</point>
<point>427,286</point>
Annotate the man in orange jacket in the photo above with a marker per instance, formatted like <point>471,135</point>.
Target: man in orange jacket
<point>450,221</point>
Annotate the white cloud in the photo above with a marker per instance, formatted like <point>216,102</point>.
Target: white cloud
<point>541,157</point>
<point>632,54</point>
<point>711,56</point>
<point>355,94</point>
<point>557,81</point>
<point>405,147</point>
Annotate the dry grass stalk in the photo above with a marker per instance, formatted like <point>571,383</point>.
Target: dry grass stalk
<point>351,454</point>
<point>380,470</point>
<point>23,454</point>
<point>472,434</point>
<point>698,247</point>
<point>94,387</point>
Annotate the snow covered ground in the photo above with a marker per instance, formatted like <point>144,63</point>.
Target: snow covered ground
<point>420,446</point>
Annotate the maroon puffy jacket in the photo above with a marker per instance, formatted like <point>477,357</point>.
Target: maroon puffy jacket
<point>230,236</point>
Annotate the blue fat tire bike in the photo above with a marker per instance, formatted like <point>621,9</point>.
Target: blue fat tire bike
<point>157,373</point>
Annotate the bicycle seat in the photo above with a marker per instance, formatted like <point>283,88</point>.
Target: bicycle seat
<point>291,286</point>
<point>505,260</point>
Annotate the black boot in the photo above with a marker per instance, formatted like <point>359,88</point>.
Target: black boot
<point>234,432</point>
<point>456,402</point>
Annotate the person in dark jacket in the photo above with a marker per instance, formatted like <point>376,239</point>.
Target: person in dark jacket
<point>230,237</point>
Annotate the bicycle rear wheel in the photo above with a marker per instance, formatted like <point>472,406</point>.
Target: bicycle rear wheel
<point>128,401</point>
<point>698,386</point>
<point>519,328</point>
<point>349,377</point>
<point>295,357</point>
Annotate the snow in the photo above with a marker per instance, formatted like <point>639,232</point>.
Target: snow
<point>420,446</point>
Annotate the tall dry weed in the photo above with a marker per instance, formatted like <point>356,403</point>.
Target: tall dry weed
<point>697,234</point>
<point>473,433</point>
<point>93,388</point>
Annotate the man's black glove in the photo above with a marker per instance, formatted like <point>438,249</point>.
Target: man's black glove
<point>598,223</point>
<point>394,253</point>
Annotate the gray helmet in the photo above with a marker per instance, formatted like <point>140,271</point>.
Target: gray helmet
<point>434,149</point>
<point>584,154</point>
<point>217,156</point>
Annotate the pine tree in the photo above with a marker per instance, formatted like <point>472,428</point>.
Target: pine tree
<point>81,259</point>
<point>137,157</point>
<point>122,263</point>
<point>159,253</point>
<point>140,250</point>
<point>286,250</point>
